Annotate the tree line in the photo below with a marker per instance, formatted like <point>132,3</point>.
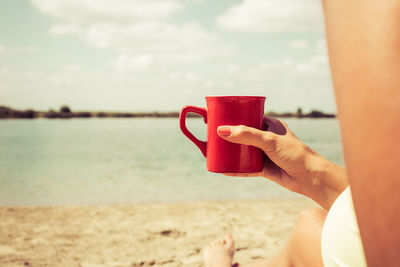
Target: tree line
<point>65,112</point>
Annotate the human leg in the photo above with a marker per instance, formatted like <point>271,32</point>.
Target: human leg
<point>303,248</point>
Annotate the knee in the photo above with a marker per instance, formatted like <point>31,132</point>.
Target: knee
<point>310,221</point>
<point>311,216</point>
<point>306,237</point>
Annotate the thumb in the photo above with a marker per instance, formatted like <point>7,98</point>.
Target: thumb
<point>249,136</point>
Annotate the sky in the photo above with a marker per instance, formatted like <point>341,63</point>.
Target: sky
<point>159,55</point>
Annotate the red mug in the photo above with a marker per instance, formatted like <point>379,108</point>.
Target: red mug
<point>223,156</point>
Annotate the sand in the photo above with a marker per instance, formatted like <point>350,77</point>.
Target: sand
<point>143,235</point>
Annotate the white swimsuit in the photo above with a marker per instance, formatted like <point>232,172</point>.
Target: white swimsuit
<point>341,243</point>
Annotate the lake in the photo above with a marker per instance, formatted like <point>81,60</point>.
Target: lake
<point>128,161</point>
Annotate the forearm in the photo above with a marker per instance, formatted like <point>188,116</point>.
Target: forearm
<point>364,48</point>
<point>328,180</point>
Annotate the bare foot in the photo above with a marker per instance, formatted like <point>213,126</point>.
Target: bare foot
<point>220,252</point>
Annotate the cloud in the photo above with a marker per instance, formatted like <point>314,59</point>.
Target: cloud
<point>299,44</point>
<point>66,29</point>
<point>3,70</point>
<point>134,28</point>
<point>260,16</point>
<point>322,46</point>
<point>17,50</point>
<point>288,83</point>
<point>157,49</point>
<point>318,64</point>
<point>128,63</point>
<point>105,10</point>
<point>73,68</point>
<point>233,69</point>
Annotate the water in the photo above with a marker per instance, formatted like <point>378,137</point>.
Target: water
<point>124,161</point>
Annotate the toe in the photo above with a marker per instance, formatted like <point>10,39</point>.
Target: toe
<point>219,252</point>
<point>228,240</point>
<point>229,244</point>
<point>228,237</point>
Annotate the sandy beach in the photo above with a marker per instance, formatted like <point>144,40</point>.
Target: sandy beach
<point>143,235</point>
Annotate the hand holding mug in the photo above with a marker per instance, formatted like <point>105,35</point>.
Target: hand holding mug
<point>290,163</point>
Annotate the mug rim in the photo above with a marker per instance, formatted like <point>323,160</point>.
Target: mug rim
<point>235,96</point>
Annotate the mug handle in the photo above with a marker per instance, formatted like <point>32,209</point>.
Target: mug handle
<point>182,123</point>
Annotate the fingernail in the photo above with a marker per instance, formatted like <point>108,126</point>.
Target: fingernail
<point>224,130</point>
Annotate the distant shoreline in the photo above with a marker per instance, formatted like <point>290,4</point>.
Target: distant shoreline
<point>66,113</point>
